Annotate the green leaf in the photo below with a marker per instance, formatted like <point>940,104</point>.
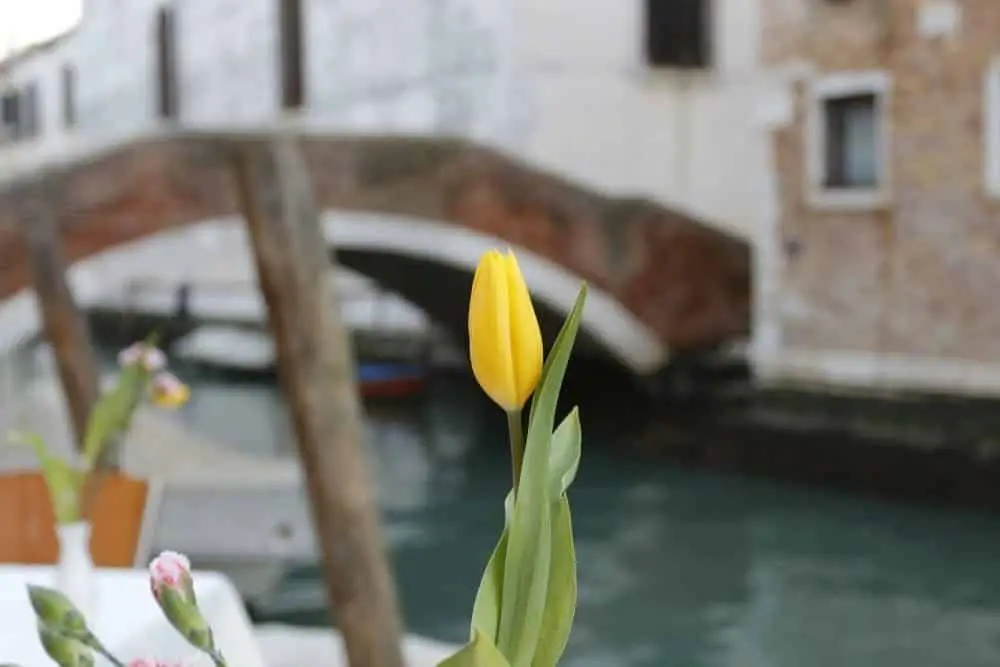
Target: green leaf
<point>480,652</point>
<point>529,548</point>
<point>63,482</point>
<point>560,603</point>
<point>564,459</point>
<point>112,414</point>
<point>486,609</point>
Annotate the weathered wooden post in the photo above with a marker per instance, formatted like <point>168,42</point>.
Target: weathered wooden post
<point>62,323</point>
<point>316,369</point>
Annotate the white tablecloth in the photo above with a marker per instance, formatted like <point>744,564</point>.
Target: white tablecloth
<point>127,620</point>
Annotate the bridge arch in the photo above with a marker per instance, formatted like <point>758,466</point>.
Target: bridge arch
<point>616,330</point>
<point>661,280</point>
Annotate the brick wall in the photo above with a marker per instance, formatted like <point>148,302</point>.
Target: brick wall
<point>919,277</point>
<point>684,280</point>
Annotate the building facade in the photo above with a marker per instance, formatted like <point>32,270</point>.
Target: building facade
<point>878,264</point>
<point>643,98</point>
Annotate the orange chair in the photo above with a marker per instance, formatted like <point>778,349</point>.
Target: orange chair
<point>27,524</point>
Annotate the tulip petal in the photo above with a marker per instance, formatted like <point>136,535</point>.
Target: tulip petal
<point>525,335</point>
<point>490,331</point>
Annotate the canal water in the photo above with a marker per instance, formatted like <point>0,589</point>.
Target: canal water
<point>676,567</point>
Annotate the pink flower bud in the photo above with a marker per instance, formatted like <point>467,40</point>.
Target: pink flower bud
<point>149,662</point>
<point>151,358</point>
<point>169,570</point>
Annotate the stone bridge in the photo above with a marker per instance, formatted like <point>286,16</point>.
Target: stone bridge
<point>660,280</point>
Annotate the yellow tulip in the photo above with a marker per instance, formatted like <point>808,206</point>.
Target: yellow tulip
<point>505,343</point>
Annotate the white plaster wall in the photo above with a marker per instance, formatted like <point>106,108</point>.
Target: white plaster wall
<point>44,69</point>
<point>599,114</point>
<point>560,82</point>
<point>413,67</point>
<point>227,61</point>
<point>113,52</point>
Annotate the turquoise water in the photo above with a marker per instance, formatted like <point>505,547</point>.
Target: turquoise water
<point>676,567</point>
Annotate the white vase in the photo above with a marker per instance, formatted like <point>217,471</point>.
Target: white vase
<point>75,573</point>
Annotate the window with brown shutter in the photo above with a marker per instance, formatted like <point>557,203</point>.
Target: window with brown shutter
<point>166,54</point>
<point>291,54</point>
<point>69,95</point>
<point>679,33</point>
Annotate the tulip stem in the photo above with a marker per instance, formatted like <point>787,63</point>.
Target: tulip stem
<point>516,430</point>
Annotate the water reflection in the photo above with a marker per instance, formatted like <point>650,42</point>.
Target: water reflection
<point>676,567</point>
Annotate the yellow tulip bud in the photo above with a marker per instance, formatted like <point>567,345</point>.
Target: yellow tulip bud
<point>505,343</point>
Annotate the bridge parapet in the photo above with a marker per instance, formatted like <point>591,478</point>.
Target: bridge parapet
<point>685,281</point>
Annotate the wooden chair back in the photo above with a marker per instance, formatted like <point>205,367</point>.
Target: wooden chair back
<point>27,524</point>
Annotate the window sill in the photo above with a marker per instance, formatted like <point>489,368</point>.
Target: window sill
<point>849,200</point>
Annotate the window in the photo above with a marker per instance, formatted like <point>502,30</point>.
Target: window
<point>69,95</point>
<point>19,113</point>
<point>847,140</point>
<point>166,90</point>
<point>851,141</point>
<point>291,55</point>
<point>678,33</point>
<point>991,127</point>
<point>10,116</point>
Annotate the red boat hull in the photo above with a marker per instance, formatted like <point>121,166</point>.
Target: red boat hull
<point>391,388</point>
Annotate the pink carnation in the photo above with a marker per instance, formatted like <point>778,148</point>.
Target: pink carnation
<point>151,358</point>
<point>170,569</point>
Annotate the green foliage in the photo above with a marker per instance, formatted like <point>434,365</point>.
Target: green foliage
<point>63,481</point>
<point>109,419</point>
<point>112,415</point>
<point>480,652</point>
<point>526,600</point>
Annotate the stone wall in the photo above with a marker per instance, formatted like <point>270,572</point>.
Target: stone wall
<point>901,293</point>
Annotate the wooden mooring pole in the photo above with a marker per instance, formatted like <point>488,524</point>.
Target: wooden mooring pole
<point>63,325</point>
<point>316,368</point>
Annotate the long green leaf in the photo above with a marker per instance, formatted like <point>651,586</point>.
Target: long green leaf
<point>112,414</point>
<point>480,652</point>
<point>486,609</point>
<point>560,603</point>
<point>63,482</point>
<point>529,548</point>
<point>564,459</point>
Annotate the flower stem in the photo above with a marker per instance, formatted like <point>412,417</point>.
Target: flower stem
<point>516,430</point>
<point>107,655</point>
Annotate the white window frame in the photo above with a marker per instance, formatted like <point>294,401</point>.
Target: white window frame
<point>991,128</point>
<point>843,84</point>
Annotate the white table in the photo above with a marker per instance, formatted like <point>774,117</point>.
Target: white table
<point>127,620</point>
